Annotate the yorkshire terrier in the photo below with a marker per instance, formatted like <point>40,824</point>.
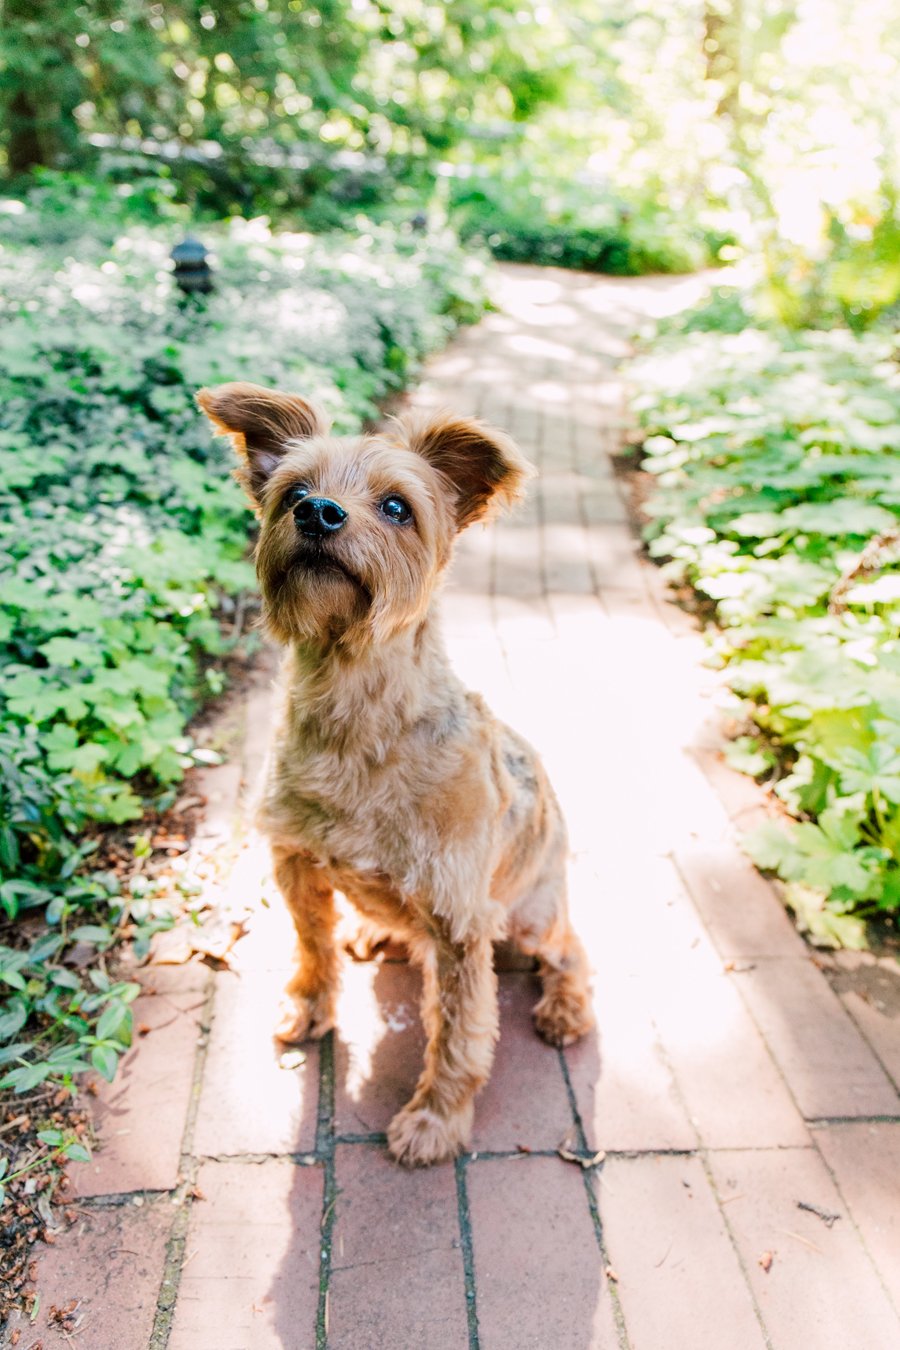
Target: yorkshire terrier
<point>388,780</point>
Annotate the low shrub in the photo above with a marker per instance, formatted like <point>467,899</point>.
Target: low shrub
<point>521,220</point>
<point>123,538</point>
<point>775,456</point>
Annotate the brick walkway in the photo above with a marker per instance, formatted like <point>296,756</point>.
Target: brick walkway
<point>239,1205</point>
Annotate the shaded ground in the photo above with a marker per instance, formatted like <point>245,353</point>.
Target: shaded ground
<point>242,1203</point>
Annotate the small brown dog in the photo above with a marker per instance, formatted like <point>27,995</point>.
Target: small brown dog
<point>388,780</point>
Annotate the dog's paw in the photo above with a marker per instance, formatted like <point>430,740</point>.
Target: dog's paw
<point>418,1136</point>
<point>305,1019</point>
<point>364,939</point>
<point>562,1017</point>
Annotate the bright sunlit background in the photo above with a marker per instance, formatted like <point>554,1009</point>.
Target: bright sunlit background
<point>616,136</point>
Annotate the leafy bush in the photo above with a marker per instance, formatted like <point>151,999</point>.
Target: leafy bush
<point>775,458</point>
<point>851,279</point>
<point>561,225</point>
<point>123,537</point>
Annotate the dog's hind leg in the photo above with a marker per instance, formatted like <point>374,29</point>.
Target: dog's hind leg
<point>459,1009</point>
<point>541,928</point>
<point>311,992</point>
<point>563,1013</point>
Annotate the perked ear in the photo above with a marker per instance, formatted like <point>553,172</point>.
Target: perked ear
<point>484,468</point>
<point>261,422</point>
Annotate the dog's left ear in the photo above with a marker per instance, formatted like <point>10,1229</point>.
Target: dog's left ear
<point>260,422</point>
<point>483,467</point>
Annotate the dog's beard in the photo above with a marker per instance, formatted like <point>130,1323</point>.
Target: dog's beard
<point>338,590</point>
<point>312,596</point>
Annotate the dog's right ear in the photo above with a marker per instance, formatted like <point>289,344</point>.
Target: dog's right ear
<point>260,422</point>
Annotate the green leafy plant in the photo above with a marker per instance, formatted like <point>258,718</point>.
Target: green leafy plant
<point>775,460</point>
<point>57,1144</point>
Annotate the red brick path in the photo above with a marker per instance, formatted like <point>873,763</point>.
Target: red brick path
<point>239,1205</point>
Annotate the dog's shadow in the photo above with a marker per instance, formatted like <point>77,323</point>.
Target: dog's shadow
<point>404,1219</point>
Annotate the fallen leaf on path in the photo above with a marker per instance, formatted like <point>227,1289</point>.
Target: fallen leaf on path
<point>185,804</point>
<point>766,1261</point>
<point>213,941</point>
<point>171,948</point>
<point>568,1156</point>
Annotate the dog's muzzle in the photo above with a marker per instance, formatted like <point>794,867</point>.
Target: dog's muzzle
<point>318,516</point>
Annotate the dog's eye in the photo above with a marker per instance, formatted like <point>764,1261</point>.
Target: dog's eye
<point>396,509</point>
<point>295,495</point>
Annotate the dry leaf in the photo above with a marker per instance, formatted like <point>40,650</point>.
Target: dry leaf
<point>185,804</point>
<point>568,1156</point>
<point>766,1261</point>
<point>216,939</point>
<point>213,940</point>
<point>171,948</point>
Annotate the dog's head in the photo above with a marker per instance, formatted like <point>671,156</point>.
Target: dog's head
<point>355,531</point>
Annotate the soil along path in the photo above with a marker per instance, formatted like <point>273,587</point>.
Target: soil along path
<point>738,1094</point>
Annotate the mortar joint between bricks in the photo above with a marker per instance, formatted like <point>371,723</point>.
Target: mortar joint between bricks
<point>325,1150</point>
<point>188,1167</point>
<point>587,1178</point>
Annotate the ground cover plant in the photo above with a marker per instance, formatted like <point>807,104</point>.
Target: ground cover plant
<point>123,539</point>
<point>523,218</point>
<point>777,498</point>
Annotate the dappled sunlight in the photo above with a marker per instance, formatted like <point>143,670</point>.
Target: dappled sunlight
<point>379,1044</point>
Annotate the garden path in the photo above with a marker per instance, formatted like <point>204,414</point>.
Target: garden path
<point>238,1205</point>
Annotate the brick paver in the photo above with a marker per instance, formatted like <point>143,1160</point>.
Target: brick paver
<point>100,1281</point>
<point>239,1203</point>
<point>540,1276</point>
<point>864,1159</point>
<point>249,1277</point>
<point>249,1103</point>
<point>139,1117</point>
<point>396,1276</point>
<point>821,1288</point>
<point>679,1279</point>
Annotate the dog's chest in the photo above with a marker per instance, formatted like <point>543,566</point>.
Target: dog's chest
<point>348,819</point>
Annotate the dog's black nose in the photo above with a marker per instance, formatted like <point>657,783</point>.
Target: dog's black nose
<point>319,515</point>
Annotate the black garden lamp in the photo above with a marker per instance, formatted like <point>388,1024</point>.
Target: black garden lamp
<point>193,274</point>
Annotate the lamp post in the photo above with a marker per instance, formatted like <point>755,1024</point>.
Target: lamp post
<point>193,274</point>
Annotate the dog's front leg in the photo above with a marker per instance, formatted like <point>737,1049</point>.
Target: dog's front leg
<point>311,992</point>
<point>459,1009</point>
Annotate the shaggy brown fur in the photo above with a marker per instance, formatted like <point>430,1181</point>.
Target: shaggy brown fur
<point>388,781</point>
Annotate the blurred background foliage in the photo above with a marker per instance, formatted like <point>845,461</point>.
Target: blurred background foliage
<point>615,136</point>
